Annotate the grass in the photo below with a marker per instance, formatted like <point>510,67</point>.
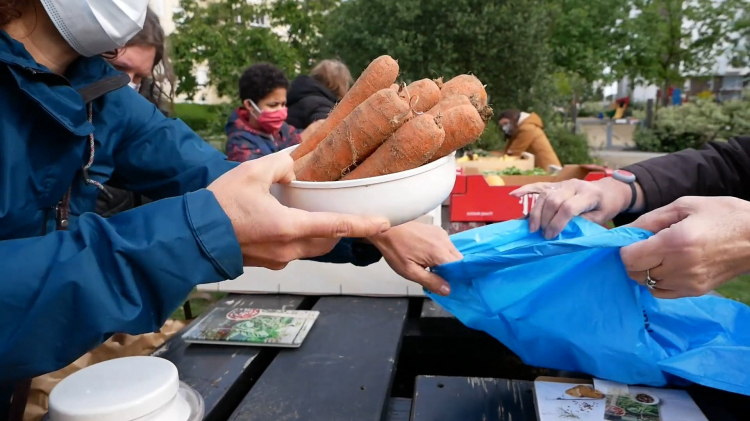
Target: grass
<point>737,289</point>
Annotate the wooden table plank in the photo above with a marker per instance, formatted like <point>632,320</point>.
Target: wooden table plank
<point>436,321</point>
<point>399,409</point>
<point>224,374</point>
<point>343,371</point>
<point>472,398</point>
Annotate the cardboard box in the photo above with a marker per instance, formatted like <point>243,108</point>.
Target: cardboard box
<point>315,278</point>
<point>473,200</point>
<point>496,163</point>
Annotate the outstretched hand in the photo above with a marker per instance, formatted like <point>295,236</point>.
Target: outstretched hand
<point>270,234</point>
<point>410,249</point>
<point>698,244</point>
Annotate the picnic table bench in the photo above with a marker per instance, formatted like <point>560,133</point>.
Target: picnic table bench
<point>376,359</point>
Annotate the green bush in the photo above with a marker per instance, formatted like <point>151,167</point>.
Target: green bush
<point>571,148</point>
<point>492,138</point>
<point>197,116</point>
<point>687,126</point>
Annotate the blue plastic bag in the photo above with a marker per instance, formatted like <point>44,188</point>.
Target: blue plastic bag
<point>568,304</point>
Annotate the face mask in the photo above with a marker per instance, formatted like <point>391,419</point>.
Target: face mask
<point>94,27</point>
<point>506,129</point>
<point>136,86</point>
<point>270,121</point>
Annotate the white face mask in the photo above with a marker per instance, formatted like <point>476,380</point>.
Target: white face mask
<point>94,27</point>
<point>506,129</point>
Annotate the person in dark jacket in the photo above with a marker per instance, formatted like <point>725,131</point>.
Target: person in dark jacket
<point>144,59</point>
<point>69,124</point>
<point>311,98</point>
<point>696,202</point>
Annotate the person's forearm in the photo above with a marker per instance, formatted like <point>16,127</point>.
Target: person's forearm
<point>624,194</point>
<point>719,169</point>
<point>64,293</point>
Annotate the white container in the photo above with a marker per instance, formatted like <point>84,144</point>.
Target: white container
<point>400,197</point>
<point>125,389</point>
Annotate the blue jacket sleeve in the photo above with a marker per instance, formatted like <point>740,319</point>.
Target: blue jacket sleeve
<point>162,157</point>
<point>244,146</point>
<point>64,293</point>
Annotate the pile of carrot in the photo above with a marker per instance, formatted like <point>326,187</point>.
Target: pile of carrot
<point>381,127</point>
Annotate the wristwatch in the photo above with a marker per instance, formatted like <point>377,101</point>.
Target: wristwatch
<point>629,179</point>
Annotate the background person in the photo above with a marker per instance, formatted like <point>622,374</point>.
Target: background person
<point>144,59</point>
<point>311,98</point>
<point>258,126</point>
<point>695,201</point>
<point>524,132</point>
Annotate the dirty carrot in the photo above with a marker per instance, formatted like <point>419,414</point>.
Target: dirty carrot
<point>448,103</point>
<point>361,132</point>
<point>380,74</point>
<point>409,147</point>
<point>425,94</point>
<point>463,125</point>
<point>465,85</point>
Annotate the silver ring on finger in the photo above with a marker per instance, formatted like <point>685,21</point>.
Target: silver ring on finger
<point>650,282</point>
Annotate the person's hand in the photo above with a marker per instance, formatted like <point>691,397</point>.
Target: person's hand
<point>557,203</point>
<point>309,130</point>
<point>270,234</point>
<point>699,243</point>
<point>411,248</point>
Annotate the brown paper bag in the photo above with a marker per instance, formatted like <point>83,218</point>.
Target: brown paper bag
<point>119,345</point>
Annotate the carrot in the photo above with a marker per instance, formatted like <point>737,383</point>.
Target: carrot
<point>361,132</point>
<point>424,92</point>
<point>463,125</point>
<point>380,74</point>
<point>409,147</point>
<point>465,85</point>
<point>447,103</point>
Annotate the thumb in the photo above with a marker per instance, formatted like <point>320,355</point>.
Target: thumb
<point>272,169</point>
<point>660,219</point>
<point>429,280</point>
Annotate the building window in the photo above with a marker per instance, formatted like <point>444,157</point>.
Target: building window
<point>260,22</point>
<point>731,83</point>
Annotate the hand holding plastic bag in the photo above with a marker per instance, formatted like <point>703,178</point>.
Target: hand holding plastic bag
<point>568,304</point>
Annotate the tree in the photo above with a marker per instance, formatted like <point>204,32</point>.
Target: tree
<point>584,38</point>
<point>504,43</point>
<point>230,35</point>
<point>667,39</point>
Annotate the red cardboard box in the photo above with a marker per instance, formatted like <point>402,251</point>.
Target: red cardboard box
<point>473,200</point>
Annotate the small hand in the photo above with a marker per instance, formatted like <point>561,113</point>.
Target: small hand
<point>270,234</point>
<point>699,244</point>
<point>411,248</point>
<point>558,203</point>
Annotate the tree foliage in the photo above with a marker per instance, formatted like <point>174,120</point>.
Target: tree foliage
<point>668,39</point>
<point>584,36</point>
<point>226,37</point>
<point>503,43</point>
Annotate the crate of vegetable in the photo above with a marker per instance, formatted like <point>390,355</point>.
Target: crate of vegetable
<point>484,196</point>
<point>387,149</point>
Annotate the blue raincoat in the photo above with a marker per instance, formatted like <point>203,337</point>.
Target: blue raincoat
<point>64,292</point>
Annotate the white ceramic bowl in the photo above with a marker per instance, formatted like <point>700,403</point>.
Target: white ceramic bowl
<point>400,197</point>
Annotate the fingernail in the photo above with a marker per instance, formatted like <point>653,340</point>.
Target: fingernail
<point>385,226</point>
<point>445,290</point>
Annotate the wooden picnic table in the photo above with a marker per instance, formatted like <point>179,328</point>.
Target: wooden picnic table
<point>376,359</point>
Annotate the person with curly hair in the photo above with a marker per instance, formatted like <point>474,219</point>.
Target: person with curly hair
<point>258,126</point>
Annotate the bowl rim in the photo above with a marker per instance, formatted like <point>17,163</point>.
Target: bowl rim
<point>367,181</point>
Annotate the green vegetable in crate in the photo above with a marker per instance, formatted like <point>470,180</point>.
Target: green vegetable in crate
<point>516,171</point>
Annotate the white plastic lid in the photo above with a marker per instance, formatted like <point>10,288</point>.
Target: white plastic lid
<point>122,389</point>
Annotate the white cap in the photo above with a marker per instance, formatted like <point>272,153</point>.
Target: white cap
<point>122,389</point>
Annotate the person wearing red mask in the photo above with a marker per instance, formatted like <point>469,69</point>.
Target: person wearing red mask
<point>258,128</point>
